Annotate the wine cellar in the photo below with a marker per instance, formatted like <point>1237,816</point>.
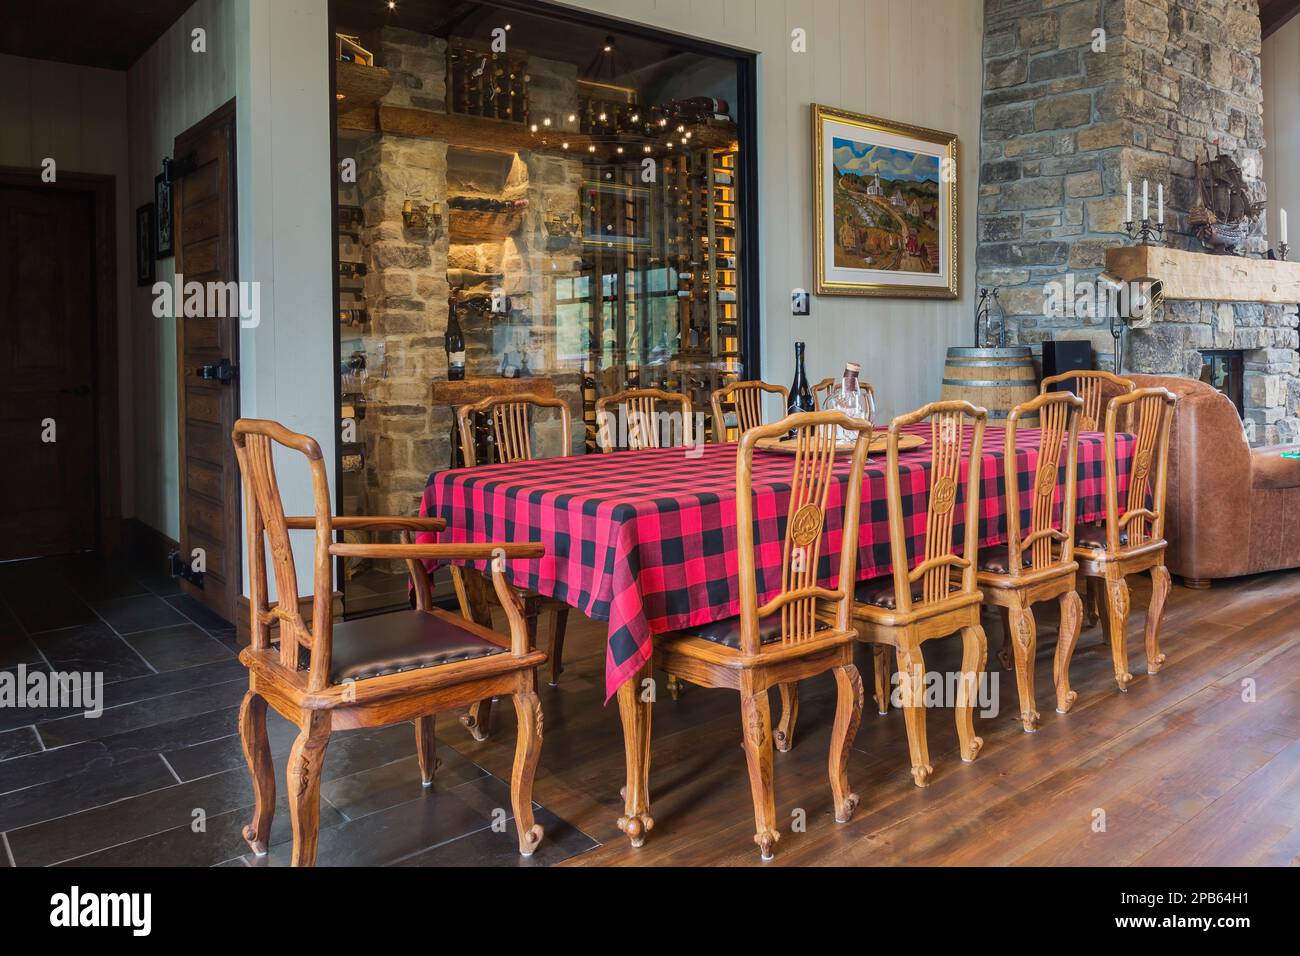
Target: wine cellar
<point>571,197</point>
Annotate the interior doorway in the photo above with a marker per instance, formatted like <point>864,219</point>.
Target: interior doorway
<point>207,355</point>
<point>58,365</point>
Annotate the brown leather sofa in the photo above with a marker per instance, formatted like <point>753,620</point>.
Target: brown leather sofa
<point>1232,509</point>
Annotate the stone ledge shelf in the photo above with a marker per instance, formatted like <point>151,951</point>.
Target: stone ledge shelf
<point>1200,275</point>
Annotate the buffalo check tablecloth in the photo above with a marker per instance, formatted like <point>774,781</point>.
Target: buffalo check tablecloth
<point>646,540</point>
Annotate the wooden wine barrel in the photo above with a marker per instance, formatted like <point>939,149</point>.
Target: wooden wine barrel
<point>996,379</point>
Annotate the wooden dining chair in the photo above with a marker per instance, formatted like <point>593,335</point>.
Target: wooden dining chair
<point>510,422</point>
<point>1133,542</point>
<point>646,427</point>
<point>747,399</point>
<point>1094,387</point>
<point>370,672</point>
<point>910,607</point>
<point>822,390</point>
<point>1037,563</point>
<point>803,630</point>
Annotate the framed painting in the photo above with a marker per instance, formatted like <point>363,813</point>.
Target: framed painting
<point>885,198</point>
<point>144,248</point>
<point>162,201</point>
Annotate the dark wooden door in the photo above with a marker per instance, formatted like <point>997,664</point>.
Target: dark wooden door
<point>203,197</point>
<point>49,481</point>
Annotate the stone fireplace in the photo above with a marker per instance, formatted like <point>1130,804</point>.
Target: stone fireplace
<point>1082,96</point>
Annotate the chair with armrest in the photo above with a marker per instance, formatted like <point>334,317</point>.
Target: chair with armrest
<point>372,672</point>
<point>1233,508</point>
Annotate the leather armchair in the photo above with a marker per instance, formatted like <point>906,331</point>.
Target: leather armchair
<point>1232,509</point>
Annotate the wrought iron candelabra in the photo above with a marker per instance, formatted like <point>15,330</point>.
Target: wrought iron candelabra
<point>1146,232</point>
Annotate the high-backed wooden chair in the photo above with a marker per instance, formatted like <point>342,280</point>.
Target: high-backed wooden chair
<point>511,419</point>
<point>802,631</point>
<point>1093,386</point>
<point>747,399</point>
<point>822,390</point>
<point>371,672</point>
<point>910,607</point>
<point>1096,388</point>
<point>646,427</point>
<point>1133,542</point>
<point>1037,563</point>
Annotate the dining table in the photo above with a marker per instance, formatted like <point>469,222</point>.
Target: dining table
<point>646,540</point>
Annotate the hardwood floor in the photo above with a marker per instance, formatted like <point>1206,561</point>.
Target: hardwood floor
<point>1182,770</point>
<point>1185,770</point>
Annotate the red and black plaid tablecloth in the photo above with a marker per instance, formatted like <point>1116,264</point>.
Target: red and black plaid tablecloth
<point>647,540</point>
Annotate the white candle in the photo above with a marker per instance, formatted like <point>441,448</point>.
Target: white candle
<point>1146,202</point>
<point>1160,203</point>
<point>1128,201</point>
<point>1282,223</point>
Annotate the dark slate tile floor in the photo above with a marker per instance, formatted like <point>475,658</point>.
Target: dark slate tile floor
<point>159,778</point>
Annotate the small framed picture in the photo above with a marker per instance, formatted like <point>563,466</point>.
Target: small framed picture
<point>144,240</point>
<point>164,244</point>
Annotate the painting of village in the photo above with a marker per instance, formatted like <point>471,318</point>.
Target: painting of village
<point>886,208</point>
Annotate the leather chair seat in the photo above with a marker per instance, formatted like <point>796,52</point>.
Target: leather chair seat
<point>1270,470</point>
<point>997,559</point>
<point>879,592</point>
<point>1095,538</point>
<point>727,631</point>
<point>402,641</point>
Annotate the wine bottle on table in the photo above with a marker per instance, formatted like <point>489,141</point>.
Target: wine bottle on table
<point>801,397</point>
<point>455,344</point>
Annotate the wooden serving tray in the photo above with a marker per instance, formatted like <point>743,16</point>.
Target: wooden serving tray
<point>879,443</point>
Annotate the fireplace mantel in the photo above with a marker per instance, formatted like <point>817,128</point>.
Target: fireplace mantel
<point>1208,278</point>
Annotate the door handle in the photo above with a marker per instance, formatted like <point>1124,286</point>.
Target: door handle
<point>222,372</point>
<point>81,391</point>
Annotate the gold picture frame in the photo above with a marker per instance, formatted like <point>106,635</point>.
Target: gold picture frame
<point>894,225</point>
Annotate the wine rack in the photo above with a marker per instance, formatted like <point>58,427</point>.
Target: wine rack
<point>483,83</point>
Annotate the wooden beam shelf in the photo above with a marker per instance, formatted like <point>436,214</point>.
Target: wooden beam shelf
<point>480,132</point>
<point>1212,278</point>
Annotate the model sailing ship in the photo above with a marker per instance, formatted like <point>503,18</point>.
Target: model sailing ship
<point>1226,206</point>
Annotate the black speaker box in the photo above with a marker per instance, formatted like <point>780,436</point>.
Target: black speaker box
<point>1070,355</point>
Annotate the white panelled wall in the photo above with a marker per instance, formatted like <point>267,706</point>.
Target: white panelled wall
<point>272,56</point>
<point>1280,65</point>
<point>917,62</point>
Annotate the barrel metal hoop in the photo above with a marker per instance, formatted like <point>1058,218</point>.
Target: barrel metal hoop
<point>990,383</point>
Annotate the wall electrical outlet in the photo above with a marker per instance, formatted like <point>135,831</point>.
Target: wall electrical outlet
<point>800,302</point>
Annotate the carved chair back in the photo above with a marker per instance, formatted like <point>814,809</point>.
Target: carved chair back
<point>801,602</point>
<point>951,424</point>
<point>645,426</point>
<point>255,441</point>
<point>1059,414</point>
<point>511,421</point>
<point>1150,412</point>
<point>747,398</point>
<point>1093,387</point>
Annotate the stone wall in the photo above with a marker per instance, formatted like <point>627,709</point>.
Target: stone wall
<point>1082,96</point>
<point>1264,334</point>
<point>407,282</point>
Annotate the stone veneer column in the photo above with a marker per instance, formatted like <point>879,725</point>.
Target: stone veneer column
<point>406,283</point>
<point>1064,127</point>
